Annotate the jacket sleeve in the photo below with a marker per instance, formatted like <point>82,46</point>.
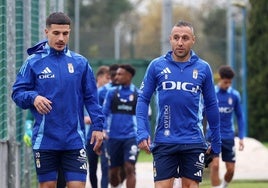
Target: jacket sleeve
<point>91,100</point>
<point>146,91</point>
<point>23,93</point>
<point>239,117</point>
<point>107,106</point>
<point>212,111</point>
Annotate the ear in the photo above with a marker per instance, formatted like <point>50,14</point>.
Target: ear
<point>46,31</point>
<point>193,39</point>
<point>170,38</point>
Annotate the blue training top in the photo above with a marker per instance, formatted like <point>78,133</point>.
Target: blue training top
<point>229,105</point>
<point>102,91</point>
<point>119,108</point>
<point>66,79</point>
<point>181,89</point>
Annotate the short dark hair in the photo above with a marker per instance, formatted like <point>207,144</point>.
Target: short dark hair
<point>58,18</point>
<point>225,71</point>
<point>112,69</point>
<point>182,23</point>
<point>129,68</point>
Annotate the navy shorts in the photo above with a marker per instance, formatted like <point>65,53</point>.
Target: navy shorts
<point>72,162</point>
<point>122,150</point>
<point>178,160</point>
<point>228,150</point>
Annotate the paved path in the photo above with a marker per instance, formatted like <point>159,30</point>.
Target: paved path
<point>251,164</point>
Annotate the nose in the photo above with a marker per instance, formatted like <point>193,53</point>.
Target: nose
<point>180,41</point>
<point>61,37</point>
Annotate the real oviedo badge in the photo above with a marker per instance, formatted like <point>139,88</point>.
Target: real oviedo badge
<point>70,68</point>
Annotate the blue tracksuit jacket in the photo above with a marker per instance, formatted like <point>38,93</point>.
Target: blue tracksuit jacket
<point>182,90</point>
<point>66,79</point>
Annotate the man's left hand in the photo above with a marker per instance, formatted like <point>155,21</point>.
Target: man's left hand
<point>96,139</point>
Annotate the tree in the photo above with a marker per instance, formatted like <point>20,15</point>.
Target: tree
<point>97,21</point>
<point>210,31</point>
<point>214,47</point>
<point>148,35</point>
<point>258,70</point>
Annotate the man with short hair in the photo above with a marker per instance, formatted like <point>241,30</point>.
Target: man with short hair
<point>55,84</point>
<point>102,76</point>
<point>119,108</point>
<point>183,85</point>
<point>229,102</point>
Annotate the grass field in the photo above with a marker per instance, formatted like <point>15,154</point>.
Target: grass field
<point>239,184</point>
<point>143,157</point>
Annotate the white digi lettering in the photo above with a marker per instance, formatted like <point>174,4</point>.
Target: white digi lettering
<point>225,110</point>
<point>185,86</point>
<point>44,76</point>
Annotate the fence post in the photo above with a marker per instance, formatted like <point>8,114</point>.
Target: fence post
<point>13,176</point>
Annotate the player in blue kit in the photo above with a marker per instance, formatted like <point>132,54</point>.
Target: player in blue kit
<point>183,85</point>
<point>102,91</point>
<point>102,78</point>
<point>55,84</point>
<point>229,104</point>
<point>119,107</point>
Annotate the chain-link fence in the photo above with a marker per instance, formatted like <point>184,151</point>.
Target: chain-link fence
<point>22,23</point>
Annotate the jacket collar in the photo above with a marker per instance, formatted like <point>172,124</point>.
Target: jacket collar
<point>42,47</point>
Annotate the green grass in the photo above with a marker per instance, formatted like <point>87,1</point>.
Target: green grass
<point>239,184</point>
<point>235,183</point>
<point>266,144</point>
<point>144,157</point>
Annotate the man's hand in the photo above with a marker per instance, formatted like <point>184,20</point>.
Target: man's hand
<point>105,135</point>
<point>209,156</point>
<point>96,139</point>
<point>145,145</point>
<point>208,159</point>
<point>42,104</point>
<point>241,145</point>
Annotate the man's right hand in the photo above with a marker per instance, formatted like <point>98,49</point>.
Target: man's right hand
<point>42,104</point>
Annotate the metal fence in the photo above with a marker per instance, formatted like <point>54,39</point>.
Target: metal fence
<point>22,23</point>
